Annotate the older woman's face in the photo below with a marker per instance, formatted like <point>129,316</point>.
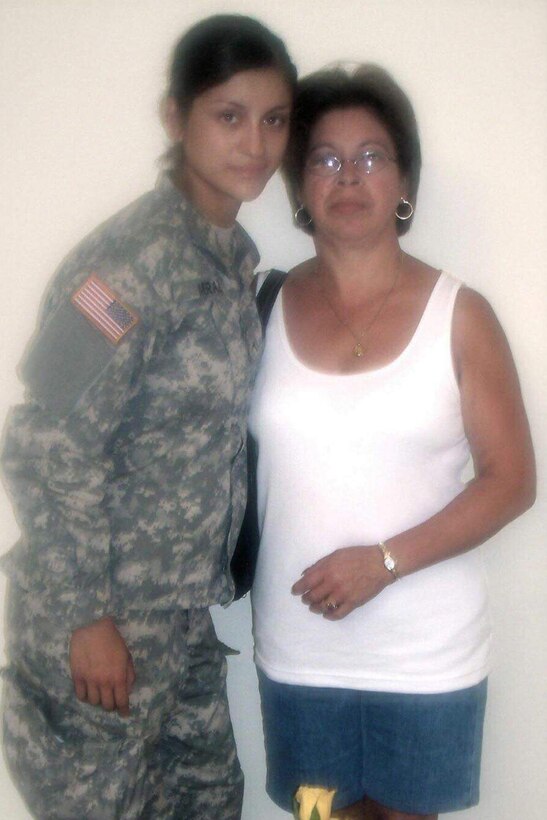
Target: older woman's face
<point>352,205</point>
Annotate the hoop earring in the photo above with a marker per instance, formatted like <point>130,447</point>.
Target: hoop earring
<point>301,217</point>
<point>409,210</point>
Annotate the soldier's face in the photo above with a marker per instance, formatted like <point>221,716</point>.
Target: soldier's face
<point>233,139</point>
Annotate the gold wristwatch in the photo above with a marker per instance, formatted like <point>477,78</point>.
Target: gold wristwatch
<point>389,561</point>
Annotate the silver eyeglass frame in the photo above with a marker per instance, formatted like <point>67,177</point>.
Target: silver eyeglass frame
<point>325,171</point>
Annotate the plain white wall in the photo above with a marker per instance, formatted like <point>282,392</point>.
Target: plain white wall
<point>80,84</point>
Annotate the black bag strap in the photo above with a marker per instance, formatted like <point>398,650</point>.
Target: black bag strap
<point>266,296</point>
<point>243,561</point>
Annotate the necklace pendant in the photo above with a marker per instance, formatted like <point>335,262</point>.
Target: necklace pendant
<point>358,350</point>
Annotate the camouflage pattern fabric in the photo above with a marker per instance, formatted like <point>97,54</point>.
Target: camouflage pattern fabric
<point>126,464</point>
<point>174,757</point>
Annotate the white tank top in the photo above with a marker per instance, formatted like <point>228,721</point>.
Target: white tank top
<point>353,459</point>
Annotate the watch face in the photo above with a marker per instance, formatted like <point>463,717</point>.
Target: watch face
<point>389,563</point>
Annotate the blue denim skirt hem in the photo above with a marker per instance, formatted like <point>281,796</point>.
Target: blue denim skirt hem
<point>418,754</point>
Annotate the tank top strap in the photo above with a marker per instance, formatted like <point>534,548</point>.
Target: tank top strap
<point>436,321</point>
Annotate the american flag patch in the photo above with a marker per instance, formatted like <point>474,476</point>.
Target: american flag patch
<point>102,308</point>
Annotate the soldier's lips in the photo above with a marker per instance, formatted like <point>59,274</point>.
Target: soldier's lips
<point>250,171</point>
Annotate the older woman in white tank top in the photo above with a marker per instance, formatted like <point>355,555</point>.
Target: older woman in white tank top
<point>381,378</point>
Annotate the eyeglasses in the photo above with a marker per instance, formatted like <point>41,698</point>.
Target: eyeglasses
<point>323,164</point>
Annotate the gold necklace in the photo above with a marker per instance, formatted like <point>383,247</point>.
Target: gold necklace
<point>358,348</point>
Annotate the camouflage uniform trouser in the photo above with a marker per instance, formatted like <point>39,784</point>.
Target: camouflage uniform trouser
<point>174,757</point>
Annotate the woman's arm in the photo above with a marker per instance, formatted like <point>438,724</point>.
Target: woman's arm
<point>57,467</point>
<point>503,487</point>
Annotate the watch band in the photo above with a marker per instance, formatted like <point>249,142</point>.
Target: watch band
<point>389,561</point>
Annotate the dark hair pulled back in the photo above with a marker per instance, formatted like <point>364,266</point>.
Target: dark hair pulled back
<point>216,48</point>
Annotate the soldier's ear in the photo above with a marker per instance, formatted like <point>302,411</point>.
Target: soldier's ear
<point>173,120</point>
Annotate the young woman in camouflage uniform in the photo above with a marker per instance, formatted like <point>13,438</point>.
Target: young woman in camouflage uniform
<point>126,465</point>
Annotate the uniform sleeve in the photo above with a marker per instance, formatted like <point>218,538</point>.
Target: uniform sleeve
<point>56,457</point>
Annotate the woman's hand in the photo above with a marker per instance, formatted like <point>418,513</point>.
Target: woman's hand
<point>101,666</point>
<point>340,582</point>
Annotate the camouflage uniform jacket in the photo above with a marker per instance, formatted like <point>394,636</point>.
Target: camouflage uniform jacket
<point>127,463</point>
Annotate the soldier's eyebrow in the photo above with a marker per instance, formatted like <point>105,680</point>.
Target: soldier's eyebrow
<point>232,103</point>
<point>281,108</point>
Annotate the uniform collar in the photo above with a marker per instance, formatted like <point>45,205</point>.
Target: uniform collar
<point>228,247</point>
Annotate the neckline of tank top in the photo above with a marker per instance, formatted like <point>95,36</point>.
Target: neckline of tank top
<point>363,374</point>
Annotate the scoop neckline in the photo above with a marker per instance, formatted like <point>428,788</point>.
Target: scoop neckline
<point>330,374</point>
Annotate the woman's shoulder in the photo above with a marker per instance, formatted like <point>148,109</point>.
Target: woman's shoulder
<point>299,277</point>
<point>303,270</point>
<point>477,334</point>
<point>473,313</point>
<point>130,252</point>
<point>472,302</point>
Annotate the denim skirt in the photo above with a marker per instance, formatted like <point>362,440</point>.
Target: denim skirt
<point>415,753</point>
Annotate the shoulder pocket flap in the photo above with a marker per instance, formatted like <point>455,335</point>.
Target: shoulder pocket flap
<point>64,359</point>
